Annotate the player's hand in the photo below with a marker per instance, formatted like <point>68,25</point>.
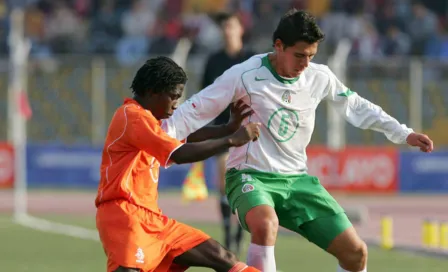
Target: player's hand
<point>238,112</point>
<point>245,134</point>
<point>420,140</point>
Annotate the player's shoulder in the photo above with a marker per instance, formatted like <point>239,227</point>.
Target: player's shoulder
<point>315,68</point>
<point>133,111</point>
<point>320,71</point>
<point>251,63</point>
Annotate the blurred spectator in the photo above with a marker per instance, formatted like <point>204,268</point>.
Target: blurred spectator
<point>133,29</point>
<point>386,17</point>
<point>422,26</point>
<point>64,30</point>
<point>35,30</point>
<point>368,45</point>
<point>396,42</point>
<point>266,23</point>
<point>106,28</point>
<point>437,46</point>
<point>166,33</point>
<point>136,23</point>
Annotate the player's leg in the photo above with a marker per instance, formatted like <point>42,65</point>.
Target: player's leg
<point>350,250</point>
<point>226,212</point>
<point>238,239</point>
<point>212,255</point>
<point>262,223</point>
<point>253,204</point>
<point>336,235</point>
<point>321,220</point>
<point>126,269</point>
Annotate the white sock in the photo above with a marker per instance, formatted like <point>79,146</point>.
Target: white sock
<point>261,257</point>
<point>340,269</point>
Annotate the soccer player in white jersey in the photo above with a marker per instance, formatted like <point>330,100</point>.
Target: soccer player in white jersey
<point>266,181</point>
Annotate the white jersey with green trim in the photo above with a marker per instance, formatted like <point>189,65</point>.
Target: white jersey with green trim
<point>286,109</point>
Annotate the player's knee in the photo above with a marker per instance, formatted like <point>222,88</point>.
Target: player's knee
<point>227,256</point>
<point>355,258</point>
<point>219,254</point>
<point>263,229</point>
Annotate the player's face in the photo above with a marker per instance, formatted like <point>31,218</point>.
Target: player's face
<point>167,102</point>
<point>293,60</point>
<point>232,29</point>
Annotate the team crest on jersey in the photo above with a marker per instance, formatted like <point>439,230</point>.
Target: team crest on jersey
<point>286,97</point>
<point>247,188</point>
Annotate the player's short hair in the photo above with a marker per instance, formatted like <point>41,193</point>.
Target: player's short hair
<point>297,26</point>
<point>222,17</point>
<point>157,75</point>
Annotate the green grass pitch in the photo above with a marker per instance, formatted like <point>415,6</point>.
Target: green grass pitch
<point>23,249</point>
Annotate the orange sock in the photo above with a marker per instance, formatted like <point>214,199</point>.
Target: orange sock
<point>250,269</point>
<point>242,267</point>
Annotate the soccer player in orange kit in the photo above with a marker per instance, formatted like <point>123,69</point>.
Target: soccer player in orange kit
<point>136,236</point>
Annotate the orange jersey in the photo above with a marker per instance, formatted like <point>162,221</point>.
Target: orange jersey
<point>134,149</point>
<point>132,229</point>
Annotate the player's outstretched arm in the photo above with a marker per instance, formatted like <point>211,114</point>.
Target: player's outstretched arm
<point>364,114</point>
<point>193,152</point>
<point>239,112</point>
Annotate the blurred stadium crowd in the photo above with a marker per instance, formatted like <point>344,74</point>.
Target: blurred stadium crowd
<point>129,29</point>
<point>69,36</point>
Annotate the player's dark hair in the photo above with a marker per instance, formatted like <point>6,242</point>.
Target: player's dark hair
<point>157,75</point>
<point>297,26</point>
<point>222,17</point>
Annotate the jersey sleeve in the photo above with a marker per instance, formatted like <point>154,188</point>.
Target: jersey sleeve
<point>362,113</point>
<point>205,106</point>
<point>146,134</point>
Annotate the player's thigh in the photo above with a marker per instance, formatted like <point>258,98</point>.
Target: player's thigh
<point>306,200</point>
<point>245,192</point>
<point>181,237</point>
<point>123,230</point>
<point>323,231</point>
<point>309,203</point>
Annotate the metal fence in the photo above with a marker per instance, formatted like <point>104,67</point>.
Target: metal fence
<point>65,100</point>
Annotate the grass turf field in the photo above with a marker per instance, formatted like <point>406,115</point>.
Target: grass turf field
<point>23,249</point>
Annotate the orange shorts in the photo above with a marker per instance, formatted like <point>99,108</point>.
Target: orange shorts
<point>135,237</point>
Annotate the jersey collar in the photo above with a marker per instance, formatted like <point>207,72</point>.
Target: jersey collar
<point>266,63</point>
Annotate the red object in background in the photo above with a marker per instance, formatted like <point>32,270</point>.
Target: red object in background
<point>6,165</point>
<point>355,169</point>
<point>24,105</point>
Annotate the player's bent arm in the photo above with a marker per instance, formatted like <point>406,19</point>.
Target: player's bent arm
<point>205,106</point>
<point>362,113</point>
<point>239,112</point>
<point>192,152</point>
<point>209,132</point>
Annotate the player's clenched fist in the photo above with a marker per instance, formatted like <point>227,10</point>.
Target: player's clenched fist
<point>245,134</point>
